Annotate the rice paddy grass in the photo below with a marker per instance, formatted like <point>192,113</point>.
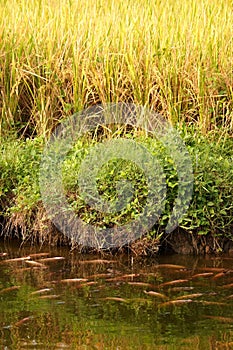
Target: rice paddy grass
<point>58,57</point>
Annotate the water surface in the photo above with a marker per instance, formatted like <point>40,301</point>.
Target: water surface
<point>78,301</point>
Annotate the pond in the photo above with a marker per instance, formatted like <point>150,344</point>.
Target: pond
<point>57,299</point>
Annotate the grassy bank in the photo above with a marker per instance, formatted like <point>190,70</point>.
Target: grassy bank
<point>210,211</point>
<point>57,58</point>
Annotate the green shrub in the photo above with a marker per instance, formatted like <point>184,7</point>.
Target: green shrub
<point>211,209</point>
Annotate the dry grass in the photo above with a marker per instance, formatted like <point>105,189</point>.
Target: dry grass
<point>58,57</point>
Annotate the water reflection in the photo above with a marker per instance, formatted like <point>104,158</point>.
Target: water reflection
<point>54,299</point>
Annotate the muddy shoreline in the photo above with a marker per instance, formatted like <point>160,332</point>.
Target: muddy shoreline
<point>176,242</point>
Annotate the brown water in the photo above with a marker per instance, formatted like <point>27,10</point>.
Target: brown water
<point>125,303</point>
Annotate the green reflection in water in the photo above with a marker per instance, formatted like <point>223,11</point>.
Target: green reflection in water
<point>108,308</point>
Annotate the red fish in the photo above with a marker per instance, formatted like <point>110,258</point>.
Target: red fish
<point>9,289</point>
<point>155,294</point>
<point>171,283</point>
<point>176,302</point>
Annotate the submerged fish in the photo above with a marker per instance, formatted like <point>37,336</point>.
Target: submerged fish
<point>211,269</point>
<point>74,280</point>
<point>155,294</point>
<point>35,263</point>
<point>220,318</point>
<point>189,296</point>
<point>171,266</point>
<point>116,299</point>
<point>25,319</point>
<point>55,258</point>
<point>206,302</point>
<point>50,296</point>
<point>17,259</point>
<point>9,289</point>
<point>230,296</point>
<point>176,302</point>
<point>226,286</point>
<point>41,291</point>
<point>171,283</point>
<point>97,261</point>
<point>220,274</point>
<point>3,254</point>
<point>201,275</point>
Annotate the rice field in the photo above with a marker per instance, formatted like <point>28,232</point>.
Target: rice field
<point>58,57</point>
